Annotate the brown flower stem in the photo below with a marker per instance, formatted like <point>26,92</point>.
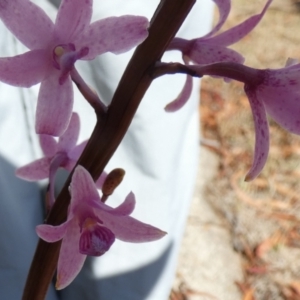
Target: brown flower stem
<point>230,70</point>
<point>161,69</point>
<point>109,131</point>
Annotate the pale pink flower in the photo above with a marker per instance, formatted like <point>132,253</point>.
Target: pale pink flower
<point>278,94</point>
<point>92,227</point>
<point>212,48</point>
<point>54,49</point>
<point>275,92</point>
<point>63,153</point>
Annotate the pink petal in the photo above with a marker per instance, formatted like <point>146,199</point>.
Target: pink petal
<point>224,9</point>
<point>28,22</point>
<point>83,188</point>
<point>69,139</point>
<point>48,145</point>
<point>51,233</point>
<point>37,170</point>
<point>73,18</point>
<point>183,97</point>
<point>207,53</point>
<point>70,260</point>
<point>25,70</point>
<point>69,164</point>
<point>54,107</point>
<point>127,207</point>
<point>261,150</point>
<point>114,34</point>
<point>236,33</point>
<point>76,151</point>
<point>128,229</point>
<point>281,97</point>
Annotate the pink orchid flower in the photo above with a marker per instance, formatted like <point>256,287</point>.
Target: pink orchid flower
<point>92,227</point>
<point>278,95</point>
<point>54,49</point>
<point>212,48</point>
<point>63,153</point>
<point>274,92</point>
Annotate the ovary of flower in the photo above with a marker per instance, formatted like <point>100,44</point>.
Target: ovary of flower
<point>278,95</point>
<point>212,48</point>
<point>92,227</point>
<point>54,49</point>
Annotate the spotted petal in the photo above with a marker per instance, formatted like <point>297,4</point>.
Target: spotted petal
<point>48,145</point>
<point>281,96</point>
<point>69,139</point>
<point>76,151</point>
<point>37,170</point>
<point>83,187</point>
<point>118,35</point>
<point>51,233</point>
<point>27,21</point>
<point>127,207</point>
<point>55,103</point>
<point>183,97</point>
<point>224,9</point>
<point>236,33</point>
<point>73,17</point>
<point>70,260</point>
<point>205,52</point>
<point>25,70</point>
<point>261,150</point>
<point>128,229</point>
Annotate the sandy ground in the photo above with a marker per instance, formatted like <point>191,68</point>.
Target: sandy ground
<point>208,265</point>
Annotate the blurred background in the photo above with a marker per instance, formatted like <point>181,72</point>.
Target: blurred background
<point>242,240</point>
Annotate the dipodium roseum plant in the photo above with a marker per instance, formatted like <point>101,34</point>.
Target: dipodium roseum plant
<point>84,223</point>
<point>54,49</point>
<point>92,227</point>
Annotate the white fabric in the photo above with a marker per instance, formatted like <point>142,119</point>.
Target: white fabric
<point>159,154</point>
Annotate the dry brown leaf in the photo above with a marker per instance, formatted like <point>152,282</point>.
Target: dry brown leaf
<point>296,287</point>
<point>249,295</point>
<point>257,269</point>
<point>269,244</point>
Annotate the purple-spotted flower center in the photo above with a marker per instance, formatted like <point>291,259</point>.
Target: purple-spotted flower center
<point>95,239</point>
<point>64,57</point>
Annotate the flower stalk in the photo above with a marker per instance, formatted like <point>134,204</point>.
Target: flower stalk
<point>230,70</point>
